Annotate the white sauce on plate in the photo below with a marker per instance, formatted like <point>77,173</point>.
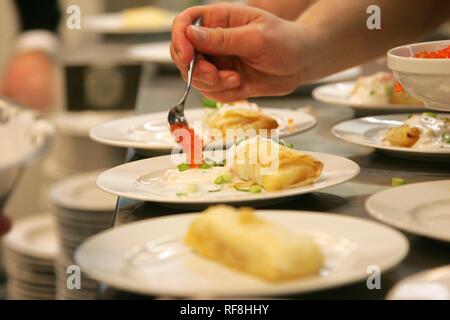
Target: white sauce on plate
<point>432,131</point>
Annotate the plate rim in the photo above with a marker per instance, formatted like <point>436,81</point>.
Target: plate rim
<point>352,278</point>
<point>414,276</point>
<point>58,193</point>
<point>417,230</point>
<point>270,196</point>
<point>442,152</point>
<point>164,146</point>
<point>359,106</point>
<point>14,240</point>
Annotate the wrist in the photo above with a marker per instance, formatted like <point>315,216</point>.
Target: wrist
<point>305,53</point>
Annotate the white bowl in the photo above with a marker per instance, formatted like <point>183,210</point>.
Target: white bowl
<point>426,79</point>
<point>23,137</point>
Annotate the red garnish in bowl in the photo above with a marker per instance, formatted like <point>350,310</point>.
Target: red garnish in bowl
<point>438,54</point>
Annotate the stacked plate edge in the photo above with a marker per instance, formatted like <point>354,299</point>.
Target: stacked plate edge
<point>81,210</point>
<point>29,252</point>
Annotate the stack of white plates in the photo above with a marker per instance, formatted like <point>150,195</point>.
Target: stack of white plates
<point>65,285</point>
<point>74,152</point>
<point>29,252</point>
<point>81,210</point>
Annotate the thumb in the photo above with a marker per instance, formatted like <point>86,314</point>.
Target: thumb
<point>222,41</point>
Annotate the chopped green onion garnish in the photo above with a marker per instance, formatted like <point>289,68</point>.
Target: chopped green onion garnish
<point>446,137</point>
<point>396,182</point>
<point>410,116</point>
<point>227,177</point>
<point>255,188</point>
<point>181,194</point>
<point>219,180</point>
<point>212,163</point>
<point>224,178</point>
<point>208,103</point>
<point>183,167</point>
<point>430,114</point>
<point>243,188</point>
<point>206,166</point>
<point>286,144</point>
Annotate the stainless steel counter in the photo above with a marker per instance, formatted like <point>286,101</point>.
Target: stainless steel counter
<point>163,90</point>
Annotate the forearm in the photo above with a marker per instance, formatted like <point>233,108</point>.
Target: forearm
<point>336,43</point>
<point>286,9</point>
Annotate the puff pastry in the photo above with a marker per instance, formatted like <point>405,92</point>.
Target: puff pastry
<point>240,118</point>
<point>241,240</point>
<point>404,136</point>
<point>273,166</point>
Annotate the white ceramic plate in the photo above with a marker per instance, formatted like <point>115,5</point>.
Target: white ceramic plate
<point>419,208</point>
<point>154,52</point>
<point>80,192</point>
<point>368,132</point>
<point>35,237</point>
<point>343,75</point>
<point>350,245</point>
<point>339,94</point>
<point>122,181</point>
<point>150,131</point>
<point>432,284</point>
<point>112,23</point>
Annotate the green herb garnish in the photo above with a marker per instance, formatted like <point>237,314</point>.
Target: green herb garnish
<point>181,194</point>
<point>206,166</point>
<point>446,137</point>
<point>208,103</point>
<point>286,144</point>
<point>430,114</point>
<point>397,182</point>
<point>256,188</point>
<point>183,167</point>
<point>224,178</point>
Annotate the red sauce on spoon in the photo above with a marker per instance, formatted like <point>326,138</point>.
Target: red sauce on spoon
<point>191,143</point>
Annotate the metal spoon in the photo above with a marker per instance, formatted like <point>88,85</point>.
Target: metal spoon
<point>176,114</point>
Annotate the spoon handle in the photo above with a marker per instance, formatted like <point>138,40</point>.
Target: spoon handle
<point>197,23</point>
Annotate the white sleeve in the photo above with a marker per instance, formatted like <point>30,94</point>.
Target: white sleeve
<point>37,40</point>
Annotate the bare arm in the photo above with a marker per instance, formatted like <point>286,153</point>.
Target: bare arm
<point>252,52</point>
<point>340,39</point>
<point>286,9</point>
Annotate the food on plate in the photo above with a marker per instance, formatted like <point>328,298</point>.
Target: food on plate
<point>241,240</point>
<point>146,17</point>
<point>254,165</point>
<point>426,130</point>
<point>380,88</point>
<point>404,136</point>
<point>271,165</point>
<point>238,117</point>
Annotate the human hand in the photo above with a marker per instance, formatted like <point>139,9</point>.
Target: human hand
<point>250,52</point>
<point>5,224</point>
<point>29,79</point>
